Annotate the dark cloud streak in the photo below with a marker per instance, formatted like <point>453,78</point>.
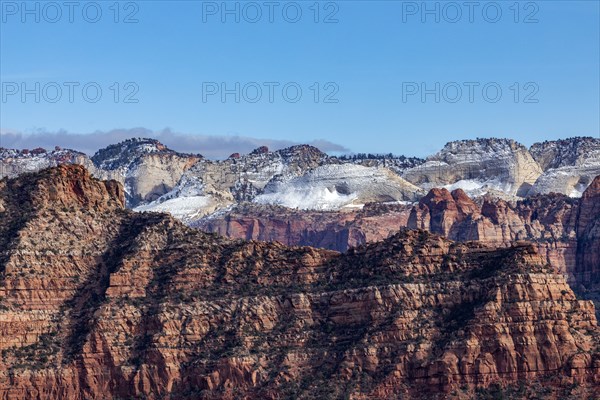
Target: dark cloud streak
<point>214,147</point>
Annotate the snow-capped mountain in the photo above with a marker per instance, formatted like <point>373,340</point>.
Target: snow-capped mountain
<point>478,166</point>
<point>335,186</point>
<point>571,152</point>
<point>569,165</point>
<point>145,167</point>
<point>16,162</point>
<point>304,178</point>
<point>297,177</point>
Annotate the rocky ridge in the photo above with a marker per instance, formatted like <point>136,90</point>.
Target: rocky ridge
<point>98,301</point>
<point>296,177</point>
<point>190,187</point>
<point>570,165</point>
<point>500,164</point>
<point>16,162</point>
<point>145,167</point>
<point>564,229</point>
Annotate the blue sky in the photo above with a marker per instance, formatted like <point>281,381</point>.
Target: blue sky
<point>375,53</point>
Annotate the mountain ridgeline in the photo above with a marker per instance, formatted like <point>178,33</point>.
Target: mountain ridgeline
<point>98,301</point>
<point>192,187</point>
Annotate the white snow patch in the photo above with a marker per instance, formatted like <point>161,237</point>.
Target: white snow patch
<point>335,186</point>
<point>311,198</point>
<point>475,187</point>
<point>184,208</point>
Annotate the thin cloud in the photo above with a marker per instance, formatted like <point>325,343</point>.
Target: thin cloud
<point>214,147</point>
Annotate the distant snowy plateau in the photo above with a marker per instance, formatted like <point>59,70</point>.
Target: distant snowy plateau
<point>190,187</point>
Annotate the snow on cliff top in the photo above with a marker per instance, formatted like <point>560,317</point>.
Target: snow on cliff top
<point>334,186</point>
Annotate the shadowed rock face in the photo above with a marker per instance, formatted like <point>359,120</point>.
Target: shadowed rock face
<point>565,230</point>
<point>100,302</point>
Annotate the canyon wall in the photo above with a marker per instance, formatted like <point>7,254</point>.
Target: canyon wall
<point>100,302</point>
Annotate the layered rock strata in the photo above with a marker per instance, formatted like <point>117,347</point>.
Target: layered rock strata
<point>100,302</point>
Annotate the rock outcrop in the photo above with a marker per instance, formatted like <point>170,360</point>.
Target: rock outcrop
<point>16,162</point>
<point>587,272</point>
<point>100,302</point>
<point>296,177</point>
<point>146,168</point>
<point>482,164</point>
<point>190,187</point>
<point>565,230</point>
<point>332,230</point>
<point>569,165</point>
<point>570,152</point>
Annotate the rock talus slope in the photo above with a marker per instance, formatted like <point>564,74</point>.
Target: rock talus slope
<point>100,302</point>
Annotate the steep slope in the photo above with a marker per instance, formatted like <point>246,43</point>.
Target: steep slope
<point>332,230</point>
<point>146,168</point>
<point>478,166</point>
<point>138,305</point>
<point>296,177</point>
<point>565,230</point>
<point>570,152</point>
<point>332,187</point>
<point>212,185</point>
<point>569,165</point>
<point>16,162</point>
<point>190,187</point>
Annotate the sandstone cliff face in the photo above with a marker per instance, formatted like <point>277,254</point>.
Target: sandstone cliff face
<point>499,164</point>
<point>565,230</point>
<point>331,230</point>
<point>588,237</point>
<point>99,302</point>
<point>569,165</point>
<point>146,168</point>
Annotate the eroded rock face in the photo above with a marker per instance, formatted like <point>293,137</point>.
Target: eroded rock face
<point>501,164</point>
<point>16,162</point>
<point>588,237</point>
<point>570,152</point>
<point>569,165</point>
<point>146,168</point>
<point>327,229</point>
<point>100,302</point>
<point>564,229</point>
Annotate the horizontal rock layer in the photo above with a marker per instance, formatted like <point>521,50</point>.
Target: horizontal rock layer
<point>100,302</point>
<point>565,230</point>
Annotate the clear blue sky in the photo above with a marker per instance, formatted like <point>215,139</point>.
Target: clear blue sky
<point>369,53</point>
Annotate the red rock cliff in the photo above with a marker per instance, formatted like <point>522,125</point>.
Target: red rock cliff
<point>565,230</point>
<point>99,302</point>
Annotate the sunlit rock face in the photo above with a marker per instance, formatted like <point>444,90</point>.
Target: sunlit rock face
<point>101,302</point>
